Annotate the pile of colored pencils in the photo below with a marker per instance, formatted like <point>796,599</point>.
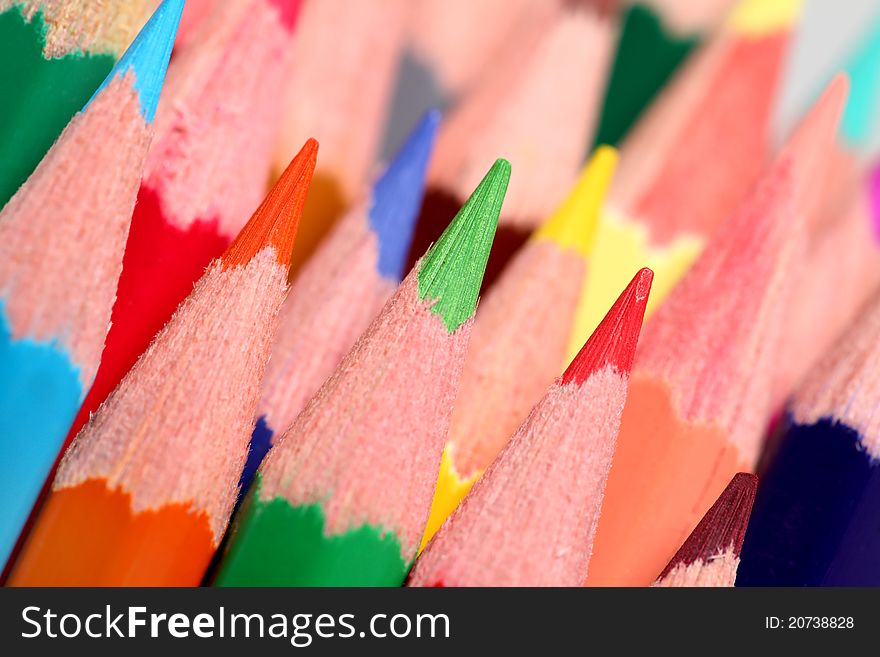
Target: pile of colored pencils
<point>415,354</point>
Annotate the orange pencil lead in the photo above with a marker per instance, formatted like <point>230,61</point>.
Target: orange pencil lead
<point>276,220</point>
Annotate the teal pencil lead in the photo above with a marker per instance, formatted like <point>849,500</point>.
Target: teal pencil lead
<point>863,68</point>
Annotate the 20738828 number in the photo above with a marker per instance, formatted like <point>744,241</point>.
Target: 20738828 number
<point>820,622</point>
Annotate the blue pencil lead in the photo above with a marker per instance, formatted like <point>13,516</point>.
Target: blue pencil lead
<point>397,197</point>
<point>147,56</point>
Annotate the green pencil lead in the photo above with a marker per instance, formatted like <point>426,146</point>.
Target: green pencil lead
<point>451,273</point>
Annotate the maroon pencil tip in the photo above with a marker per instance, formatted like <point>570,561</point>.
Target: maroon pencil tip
<point>723,528</point>
<point>614,340</point>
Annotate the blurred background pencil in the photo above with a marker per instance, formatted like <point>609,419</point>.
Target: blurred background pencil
<point>855,147</point>
<point>343,497</point>
<point>530,519</point>
<point>859,120</point>
<point>700,392</point>
<point>670,194</point>
<point>337,90</point>
<point>205,175</point>
<point>833,289</point>
<point>340,290</point>
<point>656,37</point>
<point>711,554</point>
<point>862,66</point>
<point>817,515</point>
<point>513,113</point>
<point>841,272</point>
<point>143,495</point>
<point>62,237</point>
<point>520,336</point>
<point>54,54</point>
<point>457,42</point>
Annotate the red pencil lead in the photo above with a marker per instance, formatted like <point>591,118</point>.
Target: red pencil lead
<point>614,340</point>
<point>276,220</point>
<point>723,528</point>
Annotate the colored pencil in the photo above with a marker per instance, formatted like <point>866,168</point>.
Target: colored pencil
<point>340,96</point>
<point>863,69</point>
<point>655,39</point>
<point>530,520</point>
<point>700,392</point>
<point>856,125</point>
<point>55,53</point>
<point>711,554</point>
<point>458,42</point>
<point>143,495</point>
<point>205,175</point>
<point>815,521</point>
<point>339,291</point>
<point>520,336</point>
<point>843,268</point>
<point>833,289</point>
<point>669,195</point>
<point>343,497</point>
<point>566,61</point>
<point>62,237</point>
<point>842,271</point>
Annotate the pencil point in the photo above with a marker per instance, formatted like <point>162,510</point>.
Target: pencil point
<point>573,225</point>
<point>815,136</point>
<point>723,528</point>
<point>147,56</point>
<point>614,340</point>
<point>276,220</point>
<point>819,126</point>
<point>863,69</point>
<point>397,197</point>
<point>451,273</point>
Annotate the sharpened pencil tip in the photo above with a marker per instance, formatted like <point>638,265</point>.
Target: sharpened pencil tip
<point>819,125</point>
<point>815,137</point>
<point>276,220</point>
<point>723,528</point>
<point>397,197</point>
<point>147,57</point>
<point>451,273</point>
<point>614,340</point>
